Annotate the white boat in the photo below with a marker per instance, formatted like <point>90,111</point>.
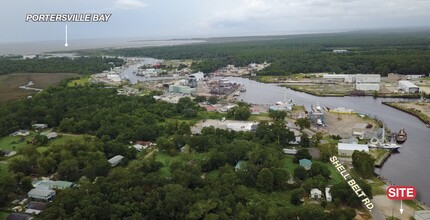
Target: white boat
<point>383,145</point>
<point>319,121</point>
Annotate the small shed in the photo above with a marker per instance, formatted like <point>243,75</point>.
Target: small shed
<point>307,164</point>
<point>316,193</point>
<point>328,195</point>
<point>51,135</point>
<point>18,216</point>
<point>239,165</point>
<point>115,160</point>
<point>35,208</point>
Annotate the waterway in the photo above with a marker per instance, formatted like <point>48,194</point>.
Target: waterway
<point>408,167</point>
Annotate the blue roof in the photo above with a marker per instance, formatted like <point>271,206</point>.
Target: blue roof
<point>305,162</point>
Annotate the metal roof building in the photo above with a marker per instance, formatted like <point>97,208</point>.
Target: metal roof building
<point>346,150</point>
<point>115,160</point>
<point>42,194</point>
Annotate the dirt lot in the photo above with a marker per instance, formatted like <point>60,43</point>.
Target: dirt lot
<point>423,107</point>
<point>392,207</point>
<point>342,124</point>
<point>9,84</point>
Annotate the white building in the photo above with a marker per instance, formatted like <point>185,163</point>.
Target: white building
<point>328,195</point>
<point>198,76</point>
<point>316,193</point>
<point>408,87</point>
<point>240,126</point>
<point>340,51</point>
<point>367,82</point>
<point>414,76</point>
<point>346,150</point>
<point>115,160</point>
<point>41,194</point>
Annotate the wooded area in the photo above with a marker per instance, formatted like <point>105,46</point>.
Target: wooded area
<point>368,53</point>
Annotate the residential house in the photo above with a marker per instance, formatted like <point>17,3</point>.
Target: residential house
<point>316,193</point>
<point>142,145</point>
<point>49,184</point>
<point>346,150</point>
<point>307,164</point>
<point>22,133</point>
<point>51,135</point>
<point>35,208</point>
<point>41,194</point>
<point>115,160</point>
<point>239,165</point>
<point>40,126</point>
<point>292,151</point>
<point>18,216</point>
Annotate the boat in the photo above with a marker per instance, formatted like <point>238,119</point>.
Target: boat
<point>382,144</point>
<point>319,121</point>
<point>401,136</point>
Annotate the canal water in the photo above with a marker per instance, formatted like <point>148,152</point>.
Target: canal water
<point>411,166</point>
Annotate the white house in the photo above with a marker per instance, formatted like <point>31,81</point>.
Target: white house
<point>22,133</point>
<point>328,195</point>
<point>51,135</point>
<point>408,87</point>
<point>346,150</point>
<point>316,193</point>
<point>40,126</point>
<point>115,160</point>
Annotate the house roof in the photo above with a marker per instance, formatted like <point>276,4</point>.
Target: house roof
<point>315,191</point>
<point>18,216</point>
<point>239,165</point>
<point>305,162</point>
<point>36,206</point>
<point>353,147</point>
<point>115,159</point>
<point>40,192</point>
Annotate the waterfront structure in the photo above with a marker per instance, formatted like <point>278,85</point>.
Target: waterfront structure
<point>41,194</point>
<point>307,164</point>
<point>115,160</point>
<point>408,87</point>
<point>359,130</point>
<point>346,150</point>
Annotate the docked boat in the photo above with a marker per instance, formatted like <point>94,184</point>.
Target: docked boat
<point>319,122</point>
<point>401,136</point>
<point>382,144</point>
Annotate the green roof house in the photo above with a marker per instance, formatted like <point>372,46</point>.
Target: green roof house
<point>307,164</point>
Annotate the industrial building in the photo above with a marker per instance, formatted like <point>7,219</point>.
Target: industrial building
<point>408,87</point>
<point>181,89</point>
<point>346,150</point>
<point>367,82</point>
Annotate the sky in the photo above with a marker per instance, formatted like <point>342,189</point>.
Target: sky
<point>167,19</point>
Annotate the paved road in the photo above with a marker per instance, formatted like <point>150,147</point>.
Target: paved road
<point>377,214</point>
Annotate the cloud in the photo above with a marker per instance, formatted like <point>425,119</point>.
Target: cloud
<point>273,11</point>
<point>129,4</point>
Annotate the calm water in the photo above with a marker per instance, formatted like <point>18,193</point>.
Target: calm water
<point>408,167</point>
<point>50,46</point>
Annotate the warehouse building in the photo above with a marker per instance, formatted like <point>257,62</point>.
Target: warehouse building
<point>346,150</point>
<point>367,82</point>
<point>408,87</point>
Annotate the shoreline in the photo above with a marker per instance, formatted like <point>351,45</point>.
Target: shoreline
<point>407,111</point>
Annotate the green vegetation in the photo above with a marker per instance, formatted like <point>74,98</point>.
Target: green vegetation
<point>82,65</point>
<point>4,169</point>
<point>363,163</point>
<point>82,81</point>
<point>417,113</point>
<point>382,53</point>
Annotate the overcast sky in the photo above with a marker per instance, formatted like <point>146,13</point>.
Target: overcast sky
<point>155,19</point>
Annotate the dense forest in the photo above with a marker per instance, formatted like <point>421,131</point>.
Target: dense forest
<point>81,65</point>
<point>147,188</point>
<point>369,52</point>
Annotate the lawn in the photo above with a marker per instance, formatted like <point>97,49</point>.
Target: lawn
<point>13,143</point>
<point>290,165</point>
<point>83,81</point>
<point>4,170</point>
<point>167,160</point>
<point>3,215</point>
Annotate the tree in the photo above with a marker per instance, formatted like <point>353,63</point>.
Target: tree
<point>302,154</point>
<point>213,100</point>
<point>25,184</point>
<point>278,115</point>
<point>319,169</point>
<point>316,139</point>
<point>300,173</point>
<point>69,170</point>
<point>305,141</point>
<point>297,195</point>
<point>281,177</point>
<point>327,150</point>
<point>241,113</point>
<point>265,180</point>
<point>199,99</point>
<point>363,163</point>
<point>303,123</point>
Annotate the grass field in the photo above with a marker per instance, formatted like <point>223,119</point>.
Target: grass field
<point>167,160</point>
<point>83,81</point>
<point>9,84</point>
<point>14,143</point>
<point>335,175</point>
<point>3,215</point>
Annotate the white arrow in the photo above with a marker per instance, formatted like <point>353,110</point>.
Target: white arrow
<point>401,206</point>
<point>66,44</point>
